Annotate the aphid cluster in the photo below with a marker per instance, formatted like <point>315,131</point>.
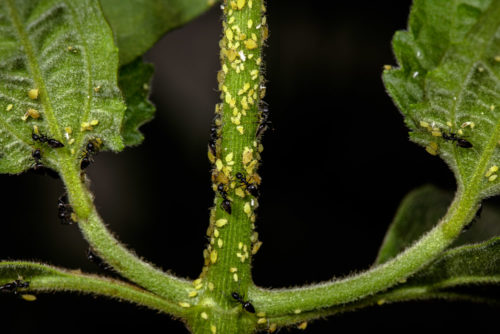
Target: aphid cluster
<point>226,203</point>
<point>53,143</point>
<point>250,187</point>
<point>91,149</point>
<point>65,211</point>
<point>247,306</point>
<point>14,286</point>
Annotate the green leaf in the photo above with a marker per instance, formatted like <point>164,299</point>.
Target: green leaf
<point>448,83</point>
<point>64,49</point>
<point>465,265</point>
<point>418,212</point>
<point>134,80</point>
<point>138,24</point>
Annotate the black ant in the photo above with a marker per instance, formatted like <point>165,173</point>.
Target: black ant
<point>264,121</point>
<point>251,187</point>
<point>212,143</point>
<point>226,203</point>
<point>13,286</point>
<point>64,210</point>
<point>54,143</point>
<point>92,256</point>
<point>37,155</point>
<point>91,149</point>
<point>39,168</point>
<point>453,137</point>
<point>247,306</point>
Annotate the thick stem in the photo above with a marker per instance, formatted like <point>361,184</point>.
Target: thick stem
<point>235,153</point>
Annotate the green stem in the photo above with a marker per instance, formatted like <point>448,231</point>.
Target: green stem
<point>235,155</point>
<point>109,249</point>
<point>44,278</point>
<point>382,277</point>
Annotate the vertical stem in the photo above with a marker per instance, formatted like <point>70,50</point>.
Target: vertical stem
<point>235,148</point>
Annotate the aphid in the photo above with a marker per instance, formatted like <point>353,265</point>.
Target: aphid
<point>64,210</point>
<point>226,203</point>
<point>13,286</point>
<point>453,137</point>
<point>54,143</point>
<point>247,306</point>
<point>92,256</point>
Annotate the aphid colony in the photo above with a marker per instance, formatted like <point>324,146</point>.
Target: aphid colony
<point>454,137</point>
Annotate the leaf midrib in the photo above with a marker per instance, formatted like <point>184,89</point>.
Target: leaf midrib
<point>35,71</point>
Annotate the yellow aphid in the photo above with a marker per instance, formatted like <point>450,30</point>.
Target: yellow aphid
<point>250,44</point>
<point>240,4</point>
<point>213,329</point>
<point>239,192</point>
<point>272,328</point>
<point>297,311</point>
<point>235,277</point>
<point>219,164</point>
<point>233,269</point>
<point>68,130</point>
<point>193,294</point>
<point>211,286</point>
<point>29,298</point>
<point>221,222</point>
<point>216,233</point>
<point>387,67</point>
<point>231,55</point>
<point>436,133</point>
<point>197,281</point>
<point>247,209</point>
<point>231,20</point>
<point>229,157</point>
<point>184,304</point>
<point>229,34</point>
<point>492,107</point>
<point>302,325</point>
<point>261,321</point>
<point>33,93</point>
<point>424,124</point>
<point>249,24</point>
<point>204,315</point>
<point>213,256</point>
<point>240,129</point>
<point>9,107</point>
<point>492,170</point>
<point>199,286</point>
<point>240,245</point>
<point>220,243</point>
<point>85,126</point>
<point>256,246</point>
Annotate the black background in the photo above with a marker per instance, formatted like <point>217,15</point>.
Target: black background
<point>334,169</point>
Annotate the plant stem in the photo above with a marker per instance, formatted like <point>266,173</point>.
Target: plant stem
<point>235,153</point>
<point>108,248</point>
<point>382,277</point>
<point>52,279</point>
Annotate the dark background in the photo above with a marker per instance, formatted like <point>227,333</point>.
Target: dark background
<point>334,170</point>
